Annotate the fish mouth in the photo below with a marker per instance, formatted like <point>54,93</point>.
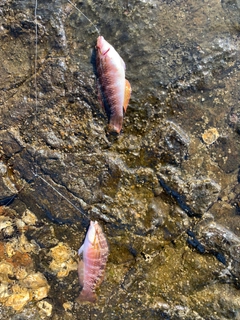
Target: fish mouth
<point>104,53</point>
<point>102,44</point>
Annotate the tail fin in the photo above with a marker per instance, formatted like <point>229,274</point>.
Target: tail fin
<point>87,296</point>
<point>115,123</point>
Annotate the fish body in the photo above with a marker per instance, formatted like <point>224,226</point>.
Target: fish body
<point>114,89</point>
<point>92,267</point>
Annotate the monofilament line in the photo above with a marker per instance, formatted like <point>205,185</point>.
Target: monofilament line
<point>84,16</point>
<point>35,68</point>
<point>35,172</point>
<point>60,194</point>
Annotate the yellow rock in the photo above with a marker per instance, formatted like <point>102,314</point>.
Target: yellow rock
<point>20,225</point>
<point>24,244</point>
<point>63,261</point>
<point>10,248</point>
<point>4,292</point>
<point>29,218</point>
<point>45,307</point>
<point>37,283</point>
<point>9,231</point>
<point>209,136</point>
<point>41,293</point>
<point>6,268</point>
<point>5,222</point>
<point>21,273</point>
<point>61,252</point>
<point>67,305</point>
<point>19,298</point>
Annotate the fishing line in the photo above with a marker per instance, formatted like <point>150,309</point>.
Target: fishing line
<point>35,172</point>
<point>35,70</point>
<point>60,194</point>
<point>84,16</point>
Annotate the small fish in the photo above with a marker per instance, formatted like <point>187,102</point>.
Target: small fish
<point>114,90</point>
<point>91,268</point>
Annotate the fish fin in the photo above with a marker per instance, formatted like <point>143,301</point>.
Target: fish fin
<point>87,296</point>
<point>80,251</point>
<point>81,272</point>
<point>127,95</point>
<point>115,124</point>
<point>123,64</point>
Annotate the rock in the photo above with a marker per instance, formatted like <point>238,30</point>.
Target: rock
<point>232,10</point>
<point>210,136</point>
<point>194,196</point>
<point>38,285</point>
<point>19,298</point>
<point>45,307</point>
<point>202,194</point>
<point>11,142</point>
<point>166,144</point>
<point>226,151</point>
<point>218,239</point>
<point>29,218</point>
<point>62,260</point>
<point>8,190</point>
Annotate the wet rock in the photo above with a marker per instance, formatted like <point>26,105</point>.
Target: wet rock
<point>226,151</point>
<point>177,142</point>
<point>45,308</point>
<point>8,190</point>
<point>51,139</point>
<point>11,143</point>
<point>19,283</point>
<point>194,196</point>
<point>202,193</point>
<point>225,214</point>
<point>66,171</point>
<point>232,10</point>
<point>216,238</point>
<point>29,218</point>
<point>44,236</point>
<point>210,136</point>
<point>214,295</point>
<point>166,144</point>
<point>29,286</point>
<point>38,285</point>
<point>62,260</point>
<point>19,298</point>
<point>159,211</point>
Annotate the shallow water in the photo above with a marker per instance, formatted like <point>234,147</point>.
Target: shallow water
<point>166,190</point>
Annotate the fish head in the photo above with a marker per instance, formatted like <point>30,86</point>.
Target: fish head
<point>102,46</point>
<point>90,239</point>
<point>91,234</point>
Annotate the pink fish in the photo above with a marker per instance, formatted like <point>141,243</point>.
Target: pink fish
<point>114,89</point>
<point>91,268</point>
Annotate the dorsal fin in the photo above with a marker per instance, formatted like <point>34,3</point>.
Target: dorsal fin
<point>127,95</point>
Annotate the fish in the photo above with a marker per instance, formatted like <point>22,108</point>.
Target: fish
<point>114,90</point>
<point>91,267</point>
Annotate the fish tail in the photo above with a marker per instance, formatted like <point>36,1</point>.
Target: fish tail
<point>87,296</point>
<point>115,123</point>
